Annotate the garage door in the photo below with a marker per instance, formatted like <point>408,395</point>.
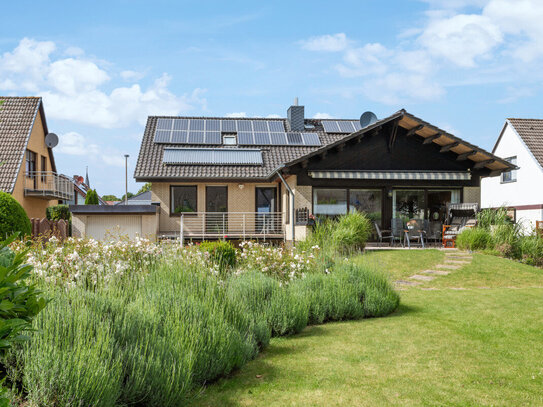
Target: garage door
<point>102,227</point>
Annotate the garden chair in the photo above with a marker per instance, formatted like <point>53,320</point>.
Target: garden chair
<point>397,229</point>
<point>414,232</point>
<point>459,217</point>
<point>384,234</point>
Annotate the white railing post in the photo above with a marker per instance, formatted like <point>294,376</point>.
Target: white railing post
<point>244,222</point>
<point>182,232</point>
<point>203,225</point>
<point>223,225</point>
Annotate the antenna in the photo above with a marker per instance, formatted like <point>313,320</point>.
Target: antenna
<point>51,140</point>
<point>296,101</point>
<point>367,119</point>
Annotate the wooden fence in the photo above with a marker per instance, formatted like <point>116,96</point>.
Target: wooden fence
<point>44,229</point>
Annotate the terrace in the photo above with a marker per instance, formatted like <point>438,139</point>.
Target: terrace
<point>48,185</point>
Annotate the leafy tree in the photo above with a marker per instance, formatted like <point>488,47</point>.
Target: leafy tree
<point>110,198</point>
<point>58,212</point>
<point>92,198</point>
<point>146,187</point>
<point>13,217</point>
<point>130,195</point>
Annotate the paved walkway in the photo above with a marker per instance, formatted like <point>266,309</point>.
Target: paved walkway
<point>454,260</point>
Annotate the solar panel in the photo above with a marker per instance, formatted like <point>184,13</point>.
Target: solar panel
<point>294,138</point>
<point>196,137</point>
<point>179,136</point>
<point>276,126</point>
<point>330,126</point>
<point>228,126</point>
<point>164,124</point>
<point>356,124</point>
<point>345,127</point>
<point>180,124</point>
<point>245,138</point>
<point>162,136</point>
<point>278,139</point>
<point>213,137</point>
<point>196,124</point>
<point>262,138</point>
<point>212,156</point>
<point>311,139</point>
<point>213,125</point>
<point>245,125</point>
<point>260,125</point>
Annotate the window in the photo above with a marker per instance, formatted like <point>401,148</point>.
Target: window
<point>43,168</point>
<point>183,199</point>
<point>367,201</point>
<point>30,163</point>
<point>408,204</point>
<point>510,176</point>
<point>229,140</point>
<point>329,202</point>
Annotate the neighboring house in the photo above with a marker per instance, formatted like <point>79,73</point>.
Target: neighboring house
<point>144,198</point>
<point>27,166</point>
<point>80,191</point>
<point>521,143</point>
<point>254,178</point>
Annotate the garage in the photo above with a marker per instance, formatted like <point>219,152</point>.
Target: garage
<point>107,227</point>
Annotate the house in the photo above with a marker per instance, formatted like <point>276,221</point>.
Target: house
<point>216,177</point>
<point>27,165</point>
<point>520,143</point>
<point>80,191</point>
<point>143,198</point>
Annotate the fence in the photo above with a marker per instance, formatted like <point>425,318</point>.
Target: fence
<point>44,229</point>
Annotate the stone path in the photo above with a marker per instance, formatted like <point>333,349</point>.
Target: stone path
<point>454,260</point>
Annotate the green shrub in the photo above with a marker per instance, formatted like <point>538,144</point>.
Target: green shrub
<point>221,253</point>
<point>531,248</point>
<point>474,239</point>
<point>489,217</point>
<point>13,217</point>
<point>92,197</point>
<point>351,231</point>
<point>505,238</point>
<point>58,212</point>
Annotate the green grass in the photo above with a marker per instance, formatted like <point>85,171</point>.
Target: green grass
<point>442,347</point>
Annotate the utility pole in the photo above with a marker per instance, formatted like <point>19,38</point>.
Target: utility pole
<point>126,179</point>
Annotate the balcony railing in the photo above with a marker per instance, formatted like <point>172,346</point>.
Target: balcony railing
<point>231,225</point>
<point>48,185</point>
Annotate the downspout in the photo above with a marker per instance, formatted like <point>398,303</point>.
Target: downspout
<point>291,201</point>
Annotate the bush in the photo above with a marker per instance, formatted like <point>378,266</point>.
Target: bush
<point>531,248</point>
<point>351,231</point>
<point>13,217</point>
<point>474,239</point>
<point>221,253</point>
<point>58,212</point>
<point>489,217</point>
<point>92,197</point>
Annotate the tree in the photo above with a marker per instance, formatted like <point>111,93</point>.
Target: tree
<point>92,198</point>
<point>13,217</point>
<point>110,198</point>
<point>146,187</point>
<point>130,195</point>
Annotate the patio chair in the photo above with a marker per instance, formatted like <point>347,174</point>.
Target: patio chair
<point>459,217</point>
<point>414,232</point>
<point>397,229</point>
<point>435,231</point>
<point>384,234</point>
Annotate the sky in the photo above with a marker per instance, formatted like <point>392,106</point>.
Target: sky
<point>103,67</point>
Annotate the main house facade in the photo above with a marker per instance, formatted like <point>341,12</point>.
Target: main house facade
<point>521,143</point>
<point>27,165</point>
<point>247,178</point>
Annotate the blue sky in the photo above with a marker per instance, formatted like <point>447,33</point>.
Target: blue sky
<point>102,67</point>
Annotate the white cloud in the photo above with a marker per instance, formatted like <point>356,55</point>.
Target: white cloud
<point>73,87</point>
<point>329,43</point>
<point>73,143</point>
<point>273,116</point>
<point>236,114</point>
<point>129,75</point>
<point>323,116</point>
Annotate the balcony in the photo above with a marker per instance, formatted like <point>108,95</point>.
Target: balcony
<point>231,225</point>
<point>48,185</point>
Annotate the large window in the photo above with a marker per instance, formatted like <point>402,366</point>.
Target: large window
<point>183,199</point>
<point>510,176</point>
<point>408,204</point>
<point>329,202</point>
<point>43,168</point>
<point>368,201</point>
<point>30,163</point>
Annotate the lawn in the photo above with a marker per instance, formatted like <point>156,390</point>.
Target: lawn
<point>476,346</point>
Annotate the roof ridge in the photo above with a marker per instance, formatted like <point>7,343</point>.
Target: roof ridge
<point>520,118</point>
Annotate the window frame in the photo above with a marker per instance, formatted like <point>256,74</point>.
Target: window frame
<point>511,173</point>
<point>30,154</point>
<point>229,136</point>
<point>43,168</point>
<point>172,213</point>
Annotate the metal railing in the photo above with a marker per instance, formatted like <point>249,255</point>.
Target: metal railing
<point>231,225</point>
<point>48,185</point>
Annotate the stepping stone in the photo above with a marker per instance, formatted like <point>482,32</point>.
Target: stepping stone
<point>459,257</point>
<point>437,272</point>
<point>403,282</point>
<point>448,266</point>
<point>450,261</point>
<point>422,278</point>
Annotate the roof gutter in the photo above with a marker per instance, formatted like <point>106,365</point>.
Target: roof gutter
<point>291,200</point>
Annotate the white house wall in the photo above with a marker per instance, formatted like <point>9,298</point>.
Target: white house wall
<point>523,194</point>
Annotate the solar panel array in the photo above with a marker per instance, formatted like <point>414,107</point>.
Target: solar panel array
<point>341,126</point>
<point>249,132</point>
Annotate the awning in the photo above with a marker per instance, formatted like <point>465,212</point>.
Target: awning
<point>394,175</point>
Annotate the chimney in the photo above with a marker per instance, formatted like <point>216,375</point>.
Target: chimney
<point>295,115</point>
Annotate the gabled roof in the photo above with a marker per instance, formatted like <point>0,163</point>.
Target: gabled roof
<point>150,163</point>
<point>17,117</point>
<point>531,132</point>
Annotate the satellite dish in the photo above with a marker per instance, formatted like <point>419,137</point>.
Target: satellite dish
<point>51,140</point>
<point>367,119</point>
